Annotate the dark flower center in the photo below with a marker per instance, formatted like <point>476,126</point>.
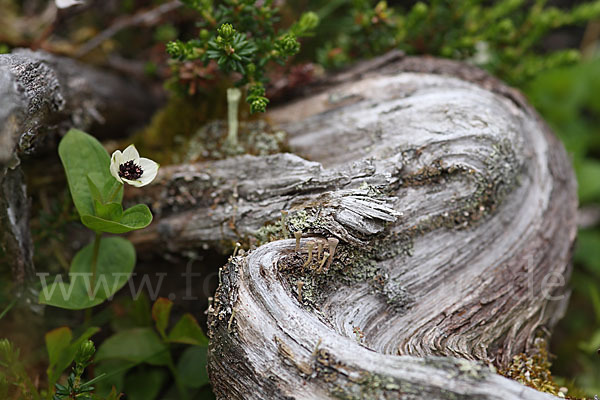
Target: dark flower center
<point>130,171</point>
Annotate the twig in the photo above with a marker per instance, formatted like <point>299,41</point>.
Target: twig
<point>149,17</point>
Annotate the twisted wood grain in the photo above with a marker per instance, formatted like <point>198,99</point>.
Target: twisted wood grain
<point>455,210</point>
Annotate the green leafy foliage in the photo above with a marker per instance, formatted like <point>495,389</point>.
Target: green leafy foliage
<point>84,160</point>
<point>138,345</point>
<point>188,331</point>
<point>4,387</point>
<point>192,367</point>
<point>588,252</point>
<point>161,311</point>
<point>114,372</point>
<point>140,352</point>
<point>13,370</point>
<point>231,49</point>
<point>256,98</point>
<point>62,350</point>
<point>76,387</point>
<point>115,263</point>
<point>568,100</point>
<point>501,36</point>
<point>131,312</point>
<point>100,269</point>
<point>111,218</point>
<point>108,211</point>
<point>145,383</point>
<point>96,193</point>
<point>243,38</point>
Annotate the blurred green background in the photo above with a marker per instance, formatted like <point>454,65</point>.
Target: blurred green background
<point>569,99</point>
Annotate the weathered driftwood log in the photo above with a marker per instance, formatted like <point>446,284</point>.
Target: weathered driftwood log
<point>42,96</point>
<point>455,212</point>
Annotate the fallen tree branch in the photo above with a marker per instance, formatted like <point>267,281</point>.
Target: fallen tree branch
<point>455,208</point>
<point>42,96</point>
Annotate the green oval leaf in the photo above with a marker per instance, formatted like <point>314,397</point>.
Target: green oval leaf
<point>110,211</point>
<point>116,260</point>
<point>94,191</point>
<point>161,311</point>
<point>110,191</point>
<point>114,378</point>
<point>82,154</point>
<point>192,367</point>
<point>144,383</point>
<point>188,331</point>
<point>139,345</point>
<point>136,217</point>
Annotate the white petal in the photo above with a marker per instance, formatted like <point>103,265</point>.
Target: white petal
<point>146,179</point>
<point>136,183</point>
<point>67,3</point>
<point>115,162</point>
<point>150,169</point>
<point>130,153</point>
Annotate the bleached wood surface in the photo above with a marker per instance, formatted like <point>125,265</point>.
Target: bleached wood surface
<point>455,210</point>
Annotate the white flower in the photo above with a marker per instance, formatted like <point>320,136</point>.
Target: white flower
<point>67,3</point>
<point>129,167</point>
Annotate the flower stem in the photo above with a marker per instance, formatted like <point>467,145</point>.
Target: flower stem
<point>115,191</point>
